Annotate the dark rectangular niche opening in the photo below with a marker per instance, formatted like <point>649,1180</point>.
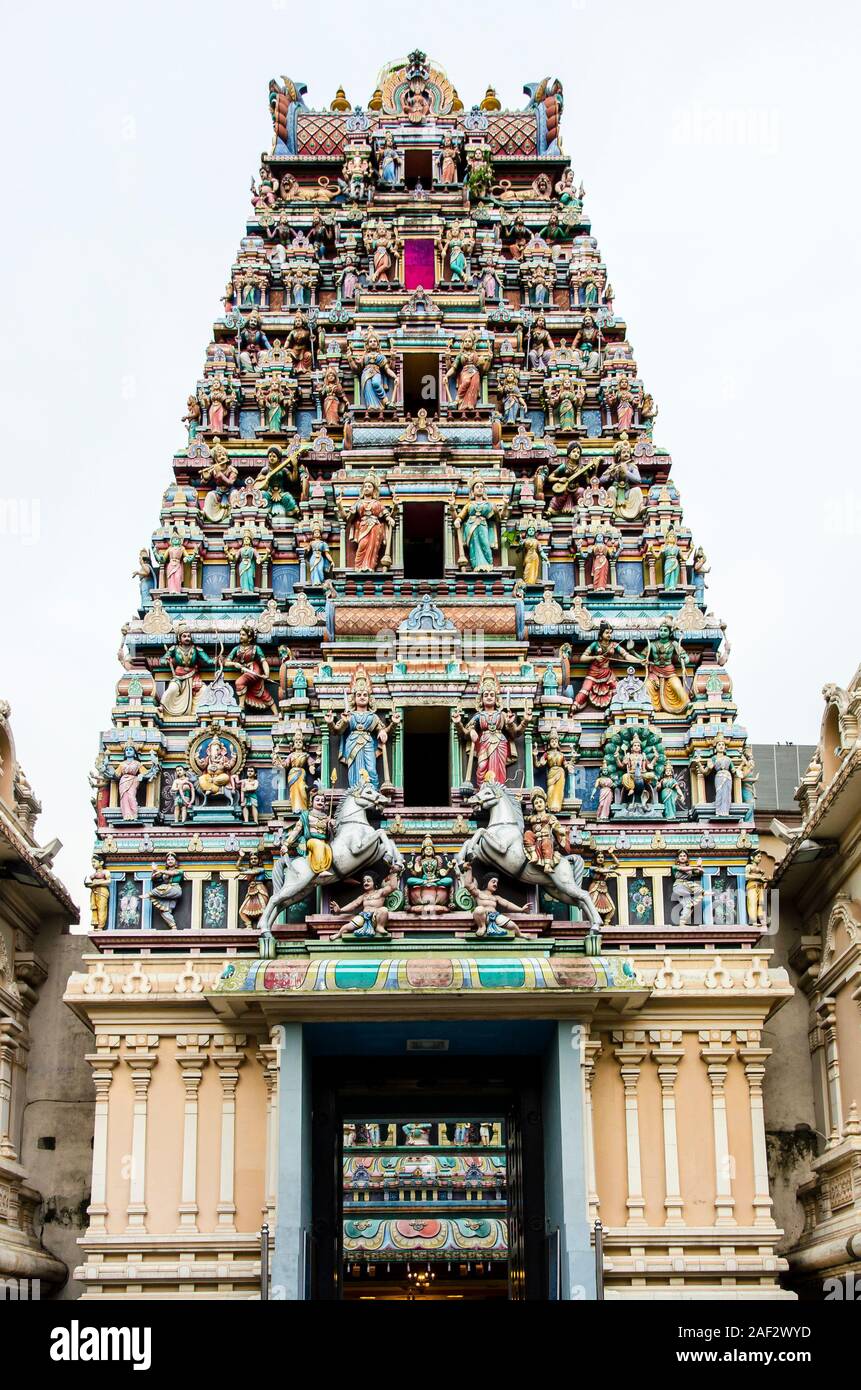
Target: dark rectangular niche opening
<point>424,540</point>
<point>418,164</point>
<point>421,383</point>
<point>427,775</point>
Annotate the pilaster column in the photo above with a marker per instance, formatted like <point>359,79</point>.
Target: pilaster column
<point>10,1033</point>
<point>141,1057</point>
<point>630,1051</point>
<point>754,1056</point>
<point>716,1052</point>
<point>698,786</point>
<point>591,1052</point>
<point>191,1058</point>
<point>656,877</point>
<point>102,1062</point>
<point>816,1044</point>
<point>231,877</point>
<point>228,1058</point>
<point>197,878</point>
<point>827,1015</point>
<point>667,1053</point>
<point>622,876</point>
<point>268,1056</point>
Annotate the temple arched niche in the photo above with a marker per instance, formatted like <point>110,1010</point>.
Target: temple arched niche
<point>830,743</point>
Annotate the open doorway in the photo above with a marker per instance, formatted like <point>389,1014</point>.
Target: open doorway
<point>424,540</point>
<point>426,748</point>
<point>428,1180</point>
<point>421,382</point>
<point>425,1208</point>
<point>418,165</point>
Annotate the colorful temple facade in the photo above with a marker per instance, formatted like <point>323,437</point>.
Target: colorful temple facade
<point>425,795</point>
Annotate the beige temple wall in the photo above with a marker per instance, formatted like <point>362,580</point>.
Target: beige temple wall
<point>694,1117</point>
<point>165,1138</point>
<point>608,1118</point>
<point>150,1241</point>
<point>696,1141</point>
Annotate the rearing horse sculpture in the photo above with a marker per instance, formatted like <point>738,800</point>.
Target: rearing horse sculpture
<point>356,846</point>
<point>500,844</point>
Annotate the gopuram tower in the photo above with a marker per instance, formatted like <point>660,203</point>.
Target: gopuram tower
<point>427,907</point>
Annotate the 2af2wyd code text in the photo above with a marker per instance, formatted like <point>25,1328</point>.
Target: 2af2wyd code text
<point>761,1355</point>
<point>737,1334</point>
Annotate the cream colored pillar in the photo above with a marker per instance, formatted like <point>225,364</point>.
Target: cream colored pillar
<point>197,878</point>
<point>231,877</point>
<point>228,1058</point>
<point>591,1053</point>
<point>716,1051</point>
<point>191,1058</point>
<point>268,1056</point>
<point>630,1051</point>
<point>828,1019</point>
<point>140,1056</point>
<point>622,876</point>
<point>754,1056</point>
<point>102,1062</point>
<point>656,876</point>
<point>667,1052</point>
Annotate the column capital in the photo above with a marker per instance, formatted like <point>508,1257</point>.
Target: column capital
<point>191,1047</point>
<point>11,1032</point>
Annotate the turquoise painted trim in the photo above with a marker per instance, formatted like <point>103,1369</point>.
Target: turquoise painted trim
<point>293,1188</point>
<point>565,1189</point>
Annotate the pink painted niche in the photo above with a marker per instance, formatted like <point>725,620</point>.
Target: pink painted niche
<point>419,263</point>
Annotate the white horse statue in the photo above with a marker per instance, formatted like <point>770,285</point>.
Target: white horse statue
<point>500,844</point>
<point>356,846</point>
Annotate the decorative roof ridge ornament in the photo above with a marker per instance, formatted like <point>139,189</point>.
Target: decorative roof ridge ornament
<point>416,88</point>
<point>426,616</point>
<point>546,100</point>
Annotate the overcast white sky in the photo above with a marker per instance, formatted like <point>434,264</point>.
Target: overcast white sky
<point>718,146</point>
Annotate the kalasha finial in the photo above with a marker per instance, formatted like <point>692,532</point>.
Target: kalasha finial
<point>340,103</point>
<point>491,101</point>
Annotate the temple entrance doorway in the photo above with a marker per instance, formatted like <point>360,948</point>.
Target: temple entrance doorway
<point>427,1176</point>
<point>426,746</point>
<point>425,1208</point>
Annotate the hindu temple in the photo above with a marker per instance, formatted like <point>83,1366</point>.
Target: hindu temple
<point>429,922</point>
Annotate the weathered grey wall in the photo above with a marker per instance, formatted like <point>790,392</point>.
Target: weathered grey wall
<point>59,1106</point>
<point>790,1119</point>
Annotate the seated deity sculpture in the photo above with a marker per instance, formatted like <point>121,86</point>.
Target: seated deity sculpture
<point>430,883</point>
